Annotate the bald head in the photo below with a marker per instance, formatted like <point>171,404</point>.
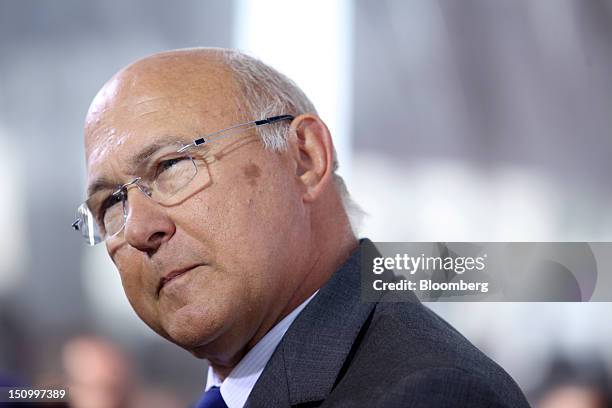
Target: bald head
<point>162,82</point>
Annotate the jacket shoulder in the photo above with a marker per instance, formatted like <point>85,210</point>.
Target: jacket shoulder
<point>406,351</point>
<point>445,387</point>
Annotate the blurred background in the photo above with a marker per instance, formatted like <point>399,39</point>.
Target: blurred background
<point>469,120</point>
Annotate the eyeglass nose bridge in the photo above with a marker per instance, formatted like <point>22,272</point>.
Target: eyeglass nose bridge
<point>122,192</point>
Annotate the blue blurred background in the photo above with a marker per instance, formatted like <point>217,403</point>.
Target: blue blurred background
<point>469,120</point>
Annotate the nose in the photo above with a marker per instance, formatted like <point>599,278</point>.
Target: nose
<point>147,225</point>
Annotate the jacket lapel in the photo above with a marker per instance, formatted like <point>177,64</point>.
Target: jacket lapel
<point>309,358</point>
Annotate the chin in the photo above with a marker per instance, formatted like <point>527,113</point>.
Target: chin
<point>194,327</point>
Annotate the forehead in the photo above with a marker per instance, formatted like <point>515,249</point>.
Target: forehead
<point>152,105</point>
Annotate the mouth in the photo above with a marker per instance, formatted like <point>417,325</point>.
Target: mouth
<point>173,275</point>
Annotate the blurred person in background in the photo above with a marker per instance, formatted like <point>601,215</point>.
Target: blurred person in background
<point>575,383</point>
<point>13,346</point>
<point>240,249</point>
<point>98,374</point>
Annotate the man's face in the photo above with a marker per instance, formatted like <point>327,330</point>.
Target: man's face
<point>239,236</point>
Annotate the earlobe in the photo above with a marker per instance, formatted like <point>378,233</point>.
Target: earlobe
<point>313,153</point>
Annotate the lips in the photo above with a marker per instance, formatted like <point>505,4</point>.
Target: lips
<point>172,275</point>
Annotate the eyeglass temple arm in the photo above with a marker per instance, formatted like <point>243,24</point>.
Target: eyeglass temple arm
<point>261,122</point>
<point>273,119</point>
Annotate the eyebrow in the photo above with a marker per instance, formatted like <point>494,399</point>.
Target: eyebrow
<point>134,162</point>
<point>99,184</point>
<point>143,155</point>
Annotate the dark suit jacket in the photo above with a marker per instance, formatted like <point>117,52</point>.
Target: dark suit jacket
<point>342,352</point>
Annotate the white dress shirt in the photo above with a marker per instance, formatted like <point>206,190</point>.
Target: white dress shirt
<point>237,386</point>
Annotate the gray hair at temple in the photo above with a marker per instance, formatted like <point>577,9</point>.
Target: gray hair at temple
<point>266,93</point>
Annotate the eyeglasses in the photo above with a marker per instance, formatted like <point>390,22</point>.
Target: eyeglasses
<point>170,177</point>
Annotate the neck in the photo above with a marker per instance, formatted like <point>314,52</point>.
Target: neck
<point>323,267</point>
<point>328,260</point>
<point>331,244</point>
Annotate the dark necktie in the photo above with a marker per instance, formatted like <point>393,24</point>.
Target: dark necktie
<point>211,399</point>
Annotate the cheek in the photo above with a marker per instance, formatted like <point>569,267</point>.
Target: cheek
<point>256,219</point>
<point>130,268</point>
<point>247,219</point>
<point>136,288</point>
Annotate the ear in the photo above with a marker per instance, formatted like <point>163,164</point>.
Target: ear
<point>313,153</point>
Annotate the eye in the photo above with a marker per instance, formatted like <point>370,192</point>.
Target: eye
<point>109,202</point>
<point>168,164</point>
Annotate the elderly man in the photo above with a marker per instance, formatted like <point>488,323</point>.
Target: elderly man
<point>213,184</point>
